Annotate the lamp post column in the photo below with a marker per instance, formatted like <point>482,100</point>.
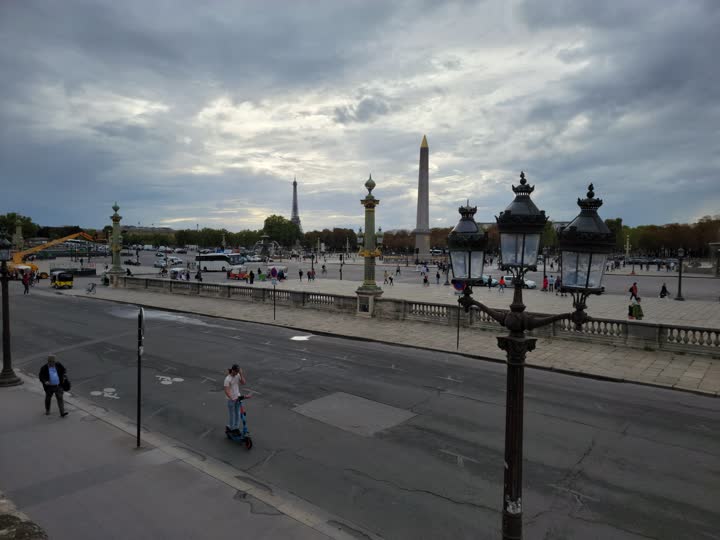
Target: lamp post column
<point>7,376</point>
<point>516,345</point>
<point>116,242</point>
<point>681,256</point>
<point>369,291</point>
<point>516,349</point>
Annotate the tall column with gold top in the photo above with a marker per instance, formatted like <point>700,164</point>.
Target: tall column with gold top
<point>116,241</point>
<point>369,290</point>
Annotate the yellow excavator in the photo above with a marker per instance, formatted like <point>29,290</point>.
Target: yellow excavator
<point>18,258</point>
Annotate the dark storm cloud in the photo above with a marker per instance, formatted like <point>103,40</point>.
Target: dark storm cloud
<point>365,111</point>
<point>152,104</point>
<point>649,93</point>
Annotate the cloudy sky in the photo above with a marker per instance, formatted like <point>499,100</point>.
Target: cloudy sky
<point>190,112</point>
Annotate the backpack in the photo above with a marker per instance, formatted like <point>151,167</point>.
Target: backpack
<point>630,289</point>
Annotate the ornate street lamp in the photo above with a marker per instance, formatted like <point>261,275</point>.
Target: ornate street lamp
<point>545,252</point>
<point>584,246</point>
<point>520,226</point>
<point>466,244</point>
<point>7,376</point>
<point>379,241</point>
<point>681,256</point>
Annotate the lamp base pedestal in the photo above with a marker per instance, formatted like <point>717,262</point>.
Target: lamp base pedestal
<point>366,296</point>
<point>8,378</point>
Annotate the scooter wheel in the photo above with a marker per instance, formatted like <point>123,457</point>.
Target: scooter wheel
<point>248,443</point>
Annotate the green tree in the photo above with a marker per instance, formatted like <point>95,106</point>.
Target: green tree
<point>616,227</point>
<point>282,230</point>
<point>549,236</point>
<point>8,223</point>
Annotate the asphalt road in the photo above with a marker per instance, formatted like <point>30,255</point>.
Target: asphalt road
<point>616,282</point>
<point>602,460</point>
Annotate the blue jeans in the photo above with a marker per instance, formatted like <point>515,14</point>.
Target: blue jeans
<point>233,413</point>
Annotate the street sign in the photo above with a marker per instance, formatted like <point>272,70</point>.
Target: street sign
<point>274,281</point>
<point>274,272</point>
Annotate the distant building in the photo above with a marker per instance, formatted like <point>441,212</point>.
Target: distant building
<point>147,230</point>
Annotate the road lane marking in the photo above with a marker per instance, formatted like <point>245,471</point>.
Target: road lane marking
<point>448,378</point>
<point>106,392</point>
<point>461,459</point>
<point>164,379</point>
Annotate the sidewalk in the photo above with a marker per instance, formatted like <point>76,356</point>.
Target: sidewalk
<point>81,477</point>
<point>693,373</point>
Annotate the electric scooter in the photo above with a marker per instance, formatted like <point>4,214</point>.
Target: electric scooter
<point>244,435</point>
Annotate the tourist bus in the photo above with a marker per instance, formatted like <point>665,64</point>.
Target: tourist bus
<point>218,262</point>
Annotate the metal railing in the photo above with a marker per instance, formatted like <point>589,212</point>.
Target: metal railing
<point>634,334</point>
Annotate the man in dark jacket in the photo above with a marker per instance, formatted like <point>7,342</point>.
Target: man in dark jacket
<point>52,376</point>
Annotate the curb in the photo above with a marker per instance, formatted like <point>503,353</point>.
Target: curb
<point>430,349</point>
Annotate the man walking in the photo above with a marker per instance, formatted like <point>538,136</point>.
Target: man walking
<point>26,282</point>
<point>52,375</point>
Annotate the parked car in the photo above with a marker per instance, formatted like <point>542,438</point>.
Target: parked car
<point>181,250</point>
<point>131,262</point>
<point>527,284</point>
<point>160,254</point>
<point>160,263</point>
<point>175,261</point>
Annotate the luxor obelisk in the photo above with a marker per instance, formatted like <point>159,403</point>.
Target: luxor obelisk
<point>422,229</point>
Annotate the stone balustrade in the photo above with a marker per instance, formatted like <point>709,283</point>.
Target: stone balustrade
<point>634,334</point>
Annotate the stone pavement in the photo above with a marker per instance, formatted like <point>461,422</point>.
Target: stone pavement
<point>606,306</point>
<point>81,477</point>
<point>687,372</point>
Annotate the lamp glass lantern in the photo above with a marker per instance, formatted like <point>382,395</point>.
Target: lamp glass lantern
<point>360,237</point>
<point>585,245</point>
<point>521,226</point>
<point>4,248</point>
<point>379,237</point>
<point>681,253</point>
<point>467,243</point>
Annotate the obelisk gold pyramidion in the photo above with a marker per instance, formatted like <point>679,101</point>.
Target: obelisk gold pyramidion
<point>422,228</point>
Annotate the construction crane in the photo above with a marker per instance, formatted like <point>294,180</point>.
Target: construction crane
<point>18,258</point>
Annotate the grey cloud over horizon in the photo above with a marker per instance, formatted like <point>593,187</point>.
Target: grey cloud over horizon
<point>205,114</point>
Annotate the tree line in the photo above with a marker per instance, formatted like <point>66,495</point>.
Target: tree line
<point>650,240</point>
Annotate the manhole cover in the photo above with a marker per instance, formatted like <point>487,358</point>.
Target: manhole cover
<point>355,414</point>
